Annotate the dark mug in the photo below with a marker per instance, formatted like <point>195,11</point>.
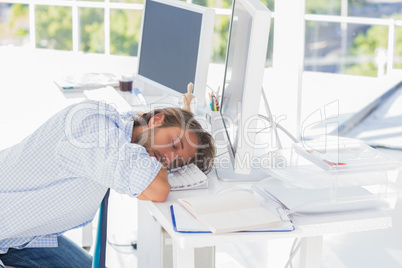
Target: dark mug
<point>126,85</point>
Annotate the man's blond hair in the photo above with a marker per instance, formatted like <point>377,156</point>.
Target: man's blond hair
<point>176,117</point>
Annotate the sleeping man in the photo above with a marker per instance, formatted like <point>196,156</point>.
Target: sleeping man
<point>55,179</point>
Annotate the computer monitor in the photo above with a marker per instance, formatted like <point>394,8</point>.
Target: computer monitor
<point>175,48</point>
<point>245,63</point>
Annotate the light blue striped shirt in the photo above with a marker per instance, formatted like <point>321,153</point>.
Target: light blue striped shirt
<point>55,179</point>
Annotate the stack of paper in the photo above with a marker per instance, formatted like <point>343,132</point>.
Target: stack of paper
<point>84,81</point>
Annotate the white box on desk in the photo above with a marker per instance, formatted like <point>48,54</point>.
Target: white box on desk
<point>356,165</point>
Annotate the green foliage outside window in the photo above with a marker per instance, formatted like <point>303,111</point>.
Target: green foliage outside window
<point>328,7</point>
<point>398,48</point>
<point>54,30</point>
<point>92,34</point>
<point>54,27</point>
<point>125,26</point>
<point>15,29</point>
<point>220,39</point>
<point>17,14</point>
<point>367,43</point>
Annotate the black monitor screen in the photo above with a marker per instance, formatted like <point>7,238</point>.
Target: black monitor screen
<point>169,45</point>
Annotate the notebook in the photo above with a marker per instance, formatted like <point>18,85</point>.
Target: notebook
<point>272,219</point>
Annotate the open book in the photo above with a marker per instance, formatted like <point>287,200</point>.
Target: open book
<point>230,212</point>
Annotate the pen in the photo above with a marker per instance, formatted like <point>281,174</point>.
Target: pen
<point>211,102</point>
<point>333,163</point>
<point>140,97</point>
<point>72,88</point>
<point>79,87</point>
<point>216,102</point>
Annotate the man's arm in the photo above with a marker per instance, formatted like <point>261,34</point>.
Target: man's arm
<point>158,189</point>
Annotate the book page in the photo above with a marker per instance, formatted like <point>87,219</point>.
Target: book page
<point>234,200</point>
<point>240,220</point>
<point>185,222</point>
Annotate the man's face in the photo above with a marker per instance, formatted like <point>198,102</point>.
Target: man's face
<point>171,146</point>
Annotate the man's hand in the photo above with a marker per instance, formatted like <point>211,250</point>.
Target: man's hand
<point>159,188</point>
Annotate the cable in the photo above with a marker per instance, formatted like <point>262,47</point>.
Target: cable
<point>280,127</point>
<point>273,124</point>
<point>123,248</point>
<point>121,245</point>
<point>293,252</point>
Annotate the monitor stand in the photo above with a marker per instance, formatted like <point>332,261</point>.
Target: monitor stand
<point>224,160</point>
<point>258,171</point>
<point>228,174</point>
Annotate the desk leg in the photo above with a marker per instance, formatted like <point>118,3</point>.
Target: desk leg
<point>87,236</point>
<point>193,258</point>
<point>278,252</point>
<point>311,252</point>
<point>205,257</point>
<point>149,239</point>
<point>183,258</point>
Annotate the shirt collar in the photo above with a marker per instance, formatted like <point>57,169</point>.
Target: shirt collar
<point>130,124</point>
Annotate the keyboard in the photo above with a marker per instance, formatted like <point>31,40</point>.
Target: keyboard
<point>110,96</point>
<point>187,177</point>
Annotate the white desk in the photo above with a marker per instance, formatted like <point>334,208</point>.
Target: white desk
<point>155,233</point>
<point>28,97</point>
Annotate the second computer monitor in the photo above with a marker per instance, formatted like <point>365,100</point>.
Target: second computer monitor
<point>175,47</point>
<point>245,63</point>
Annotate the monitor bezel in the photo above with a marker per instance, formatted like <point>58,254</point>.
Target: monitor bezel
<point>204,51</point>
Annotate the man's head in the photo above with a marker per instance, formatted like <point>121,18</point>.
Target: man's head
<point>175,138</point>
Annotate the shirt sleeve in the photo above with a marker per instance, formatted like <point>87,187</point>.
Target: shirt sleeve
<point>107,157</point>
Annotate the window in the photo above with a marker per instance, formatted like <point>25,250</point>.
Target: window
<point>96,26</point>
<point>14,24</point>
<point>53,25</point>
<point>353,37</point>
<point>125,31</point>
<point>92,29</point>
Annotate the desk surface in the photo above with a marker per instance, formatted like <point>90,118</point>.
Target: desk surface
<point>306,226</point>
<point>28,97</point>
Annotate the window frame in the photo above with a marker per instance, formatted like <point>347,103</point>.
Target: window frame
<point>76,5</point>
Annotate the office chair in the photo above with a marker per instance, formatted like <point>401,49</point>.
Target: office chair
<point>99,258</point>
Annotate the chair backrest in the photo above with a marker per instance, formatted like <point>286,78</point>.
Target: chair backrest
<point>99,259</point>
